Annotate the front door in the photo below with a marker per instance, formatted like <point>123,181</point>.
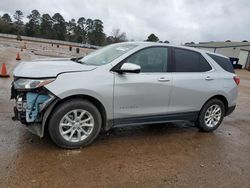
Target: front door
<point>147,93</point>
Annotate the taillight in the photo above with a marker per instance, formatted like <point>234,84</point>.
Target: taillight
<point>237,80</point>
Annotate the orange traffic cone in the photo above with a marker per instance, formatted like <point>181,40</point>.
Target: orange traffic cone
<point>4,71</point>
<point>18,56</point>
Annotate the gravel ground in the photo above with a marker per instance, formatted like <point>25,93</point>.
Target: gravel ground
<point>167,155</point>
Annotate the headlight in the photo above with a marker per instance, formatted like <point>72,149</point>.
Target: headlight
<point>31,84</point>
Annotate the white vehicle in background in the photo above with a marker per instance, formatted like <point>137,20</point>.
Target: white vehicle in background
<point>127,83</point>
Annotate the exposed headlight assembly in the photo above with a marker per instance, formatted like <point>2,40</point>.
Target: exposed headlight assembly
<point>23,83</point>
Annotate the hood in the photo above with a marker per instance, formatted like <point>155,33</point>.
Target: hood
<point>49,68</point>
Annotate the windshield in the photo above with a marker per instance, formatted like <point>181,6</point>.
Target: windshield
<point>106,54</point>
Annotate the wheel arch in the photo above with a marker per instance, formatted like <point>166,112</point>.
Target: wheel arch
<point>220,97</point>
<point>57,102</point>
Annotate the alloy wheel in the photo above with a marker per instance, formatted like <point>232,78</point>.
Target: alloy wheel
<point>213,115</point>
<point>76,125</point>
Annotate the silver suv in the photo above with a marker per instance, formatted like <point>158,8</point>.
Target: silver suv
<point>127,83</point>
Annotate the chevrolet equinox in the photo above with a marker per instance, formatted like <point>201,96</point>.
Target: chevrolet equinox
<point>127,83</point>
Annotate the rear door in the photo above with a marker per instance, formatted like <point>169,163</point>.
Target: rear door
<point>147,93</point>
<point>193,81</point>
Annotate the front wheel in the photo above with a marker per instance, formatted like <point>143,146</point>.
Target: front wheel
<point>74,124</point>
<point>211,115</point>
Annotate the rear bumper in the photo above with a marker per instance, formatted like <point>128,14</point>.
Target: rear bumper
<point>230,110</point>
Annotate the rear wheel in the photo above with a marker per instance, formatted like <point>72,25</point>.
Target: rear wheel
<point>211,115</point>
<point>74,124</point>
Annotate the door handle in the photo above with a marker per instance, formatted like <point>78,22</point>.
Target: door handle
<point>163,79</point>
<point>209,78</point>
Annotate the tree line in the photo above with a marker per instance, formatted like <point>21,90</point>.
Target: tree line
<point>81,30</point>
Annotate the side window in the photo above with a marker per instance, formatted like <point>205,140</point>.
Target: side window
<point>189,61</point>
<point>152,59</point>
<point>223,62</point>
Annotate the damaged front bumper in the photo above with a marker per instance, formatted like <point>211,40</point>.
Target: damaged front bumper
<point>31,106</point>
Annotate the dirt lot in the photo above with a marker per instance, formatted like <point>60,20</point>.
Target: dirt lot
<point>172,155</point>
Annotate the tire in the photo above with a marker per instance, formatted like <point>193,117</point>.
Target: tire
<point>74,124</point>
<point>208,112</point>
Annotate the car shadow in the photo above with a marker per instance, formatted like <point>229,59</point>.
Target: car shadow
<point>149,130</point>
<point>128,133</point>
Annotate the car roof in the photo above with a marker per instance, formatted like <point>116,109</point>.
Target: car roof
<point>149,44</point>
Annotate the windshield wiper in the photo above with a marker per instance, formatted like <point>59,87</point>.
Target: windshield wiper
<point>76,59</point>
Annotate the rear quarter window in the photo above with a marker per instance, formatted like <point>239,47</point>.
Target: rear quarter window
<point>223,62</point>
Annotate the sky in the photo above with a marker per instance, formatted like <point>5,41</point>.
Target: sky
<point>177,21</point>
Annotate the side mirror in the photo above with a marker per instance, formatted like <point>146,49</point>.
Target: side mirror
<point>129,67</point>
